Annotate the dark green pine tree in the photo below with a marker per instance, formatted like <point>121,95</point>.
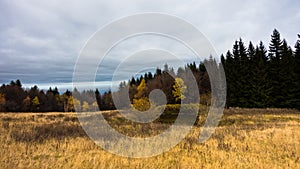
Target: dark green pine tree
<point>276,98</point>
<point>235,76</point>
<point>98,98</point>
<point>288,76</point>
<point>244,76</point>
<point>251,53</point>
<point>259,90</point>
<point>297,57</point>
<point>275,47</point>
<point>230,72</point>
<point>297,72</point>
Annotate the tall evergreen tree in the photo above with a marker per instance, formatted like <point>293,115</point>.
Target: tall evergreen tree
<point>230,73</point>
<point>275,47</point>
<point>236,76</point>
<point>297,56</point>
<point>288,76</point>
<point>98,97</point>
<point>297,72</point>
<point>275,70</point>
<point>259,90</point>
<point>244,76</point>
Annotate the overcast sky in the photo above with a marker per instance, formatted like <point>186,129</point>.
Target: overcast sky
<point>41,40</point>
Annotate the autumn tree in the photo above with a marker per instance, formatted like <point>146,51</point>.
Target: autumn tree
<point>35,103</point>
<point>2,102</point>
<point>26,104</point>
<point>141,90</point>
<point>95,106</point>
<point>141,101</point>
<point>76,104</point>
<point>179,88</point>
<point>85,106</point>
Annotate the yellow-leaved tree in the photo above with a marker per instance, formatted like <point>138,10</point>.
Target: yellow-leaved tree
<point>179,88</point>
<point>95,106</point>
<point>36,103</point>
<point>85,106</point>
<point>141,101</point>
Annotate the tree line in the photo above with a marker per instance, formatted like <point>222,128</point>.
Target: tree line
<point>261,77</point>
<point>14,98</point>
<point>255,77</point>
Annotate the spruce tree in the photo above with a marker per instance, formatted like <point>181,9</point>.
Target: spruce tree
<point>274,71</point>
<point>259,91</point>
<point>244,76</point>
<point>275,47</point>
<point>288,76</point>
<point>297,73</point>
<point>230,73</point>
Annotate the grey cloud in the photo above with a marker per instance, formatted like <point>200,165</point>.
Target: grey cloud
<point>40,40</point>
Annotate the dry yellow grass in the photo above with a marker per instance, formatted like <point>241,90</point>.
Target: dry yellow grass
<point>246,138</point>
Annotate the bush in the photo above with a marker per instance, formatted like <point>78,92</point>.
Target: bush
<point>171,111</point>
<point>142,104</point>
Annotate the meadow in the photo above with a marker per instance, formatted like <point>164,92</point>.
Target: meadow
<point>245,138</point>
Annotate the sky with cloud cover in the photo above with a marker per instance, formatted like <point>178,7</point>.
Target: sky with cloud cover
<point>41,40</point>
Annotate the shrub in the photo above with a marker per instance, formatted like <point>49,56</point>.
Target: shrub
<point>141,104</point>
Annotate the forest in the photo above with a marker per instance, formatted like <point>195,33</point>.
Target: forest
<point>256,77</point>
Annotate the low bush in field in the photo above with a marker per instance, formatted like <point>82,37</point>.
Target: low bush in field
<point>171,111</point>
<point>141,104</point>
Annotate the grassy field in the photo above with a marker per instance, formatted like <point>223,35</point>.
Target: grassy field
<point>245,138</point>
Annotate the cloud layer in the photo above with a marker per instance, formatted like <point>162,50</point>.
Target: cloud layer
<point>41,40</point>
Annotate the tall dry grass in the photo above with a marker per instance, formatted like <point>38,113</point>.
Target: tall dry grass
<point>245,138</point>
